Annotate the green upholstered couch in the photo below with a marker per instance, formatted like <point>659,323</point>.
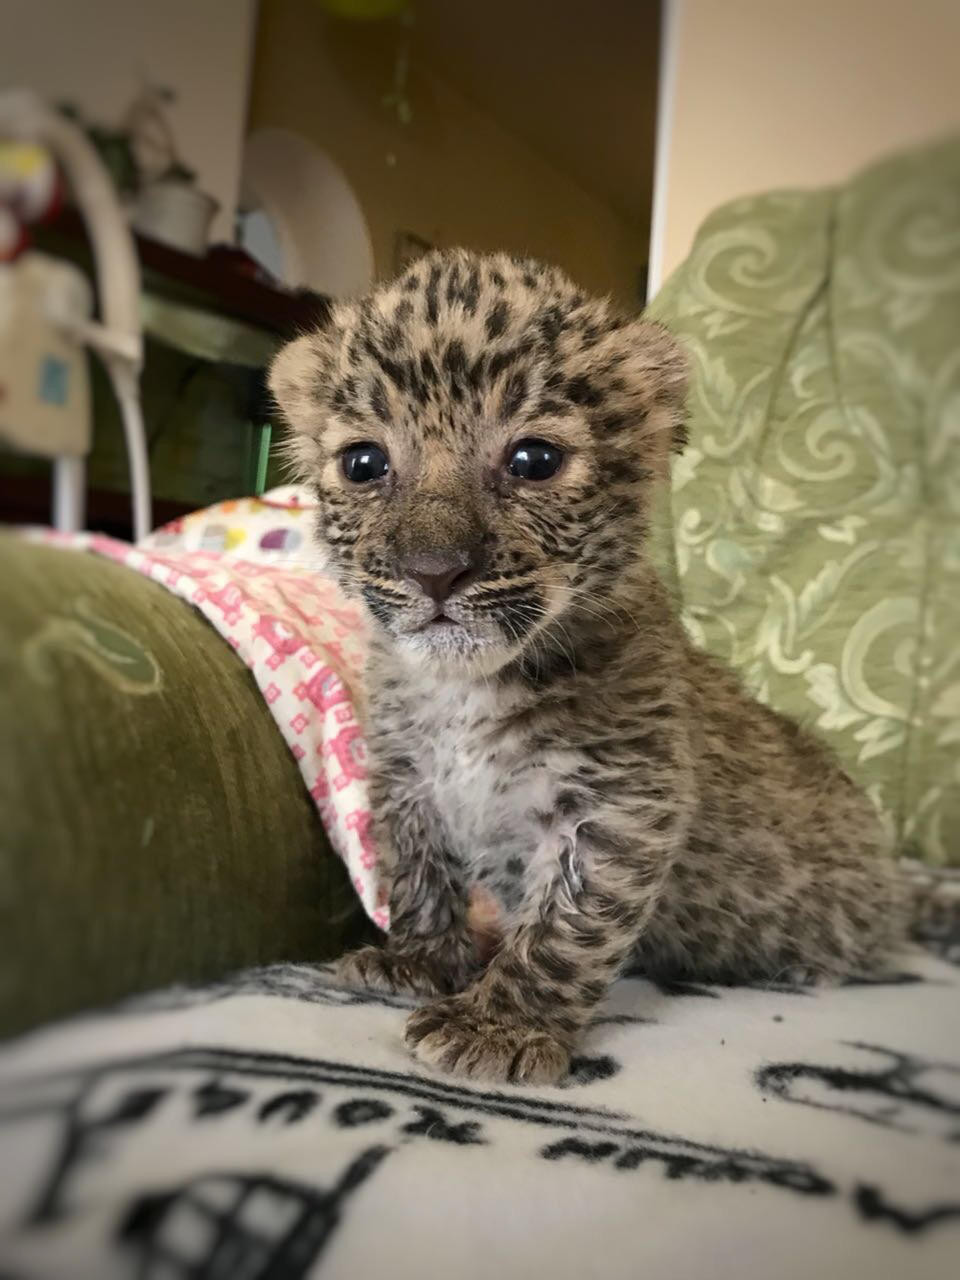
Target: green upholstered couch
<point>154,827</point>
<point>816,512</point>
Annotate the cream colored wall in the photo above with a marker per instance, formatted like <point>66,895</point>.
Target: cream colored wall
<point>452,176</point>
<point>99,54</point>
<point>783,93</point>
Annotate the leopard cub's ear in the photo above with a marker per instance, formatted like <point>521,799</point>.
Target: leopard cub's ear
<point>635,378</point>
<point>300,379</point>
<point>655,368</point>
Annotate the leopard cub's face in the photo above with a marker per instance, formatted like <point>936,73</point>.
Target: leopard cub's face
<point>480,437</point>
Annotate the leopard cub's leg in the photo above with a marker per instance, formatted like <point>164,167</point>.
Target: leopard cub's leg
<point>429,950</point>
<point>398,968</point>
<point>521,1020</point>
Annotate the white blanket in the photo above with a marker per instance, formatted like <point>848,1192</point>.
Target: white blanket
<point>274,1127</point>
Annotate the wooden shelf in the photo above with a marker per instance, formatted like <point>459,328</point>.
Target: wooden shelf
<point>209,283</point>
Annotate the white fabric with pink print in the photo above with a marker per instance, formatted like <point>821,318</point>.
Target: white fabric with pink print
<point>246,566</point>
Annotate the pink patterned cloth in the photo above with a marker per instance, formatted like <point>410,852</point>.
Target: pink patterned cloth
<point>305,644</point>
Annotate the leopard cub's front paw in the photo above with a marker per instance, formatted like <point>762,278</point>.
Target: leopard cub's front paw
<point>380,969</point>
<point>455,1035</point>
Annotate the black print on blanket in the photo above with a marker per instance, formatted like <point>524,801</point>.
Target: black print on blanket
<point>683,1159</point>
<point>219,1220</point>
<point>220,1162</point>
<point>894,1089</point>
<point>307,983</point>
<point>222,1226</point>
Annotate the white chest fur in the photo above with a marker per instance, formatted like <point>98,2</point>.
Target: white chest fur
<point>489,788</point>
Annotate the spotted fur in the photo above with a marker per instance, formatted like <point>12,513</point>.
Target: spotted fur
<point>557,742</point>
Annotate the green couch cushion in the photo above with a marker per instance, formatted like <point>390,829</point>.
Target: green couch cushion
<point>817,508</point>
<point>155,826</point>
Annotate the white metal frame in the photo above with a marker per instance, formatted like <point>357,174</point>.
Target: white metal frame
<point>119,339</point>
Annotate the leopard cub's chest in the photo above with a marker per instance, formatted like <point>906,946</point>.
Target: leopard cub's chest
<point>490,788</point>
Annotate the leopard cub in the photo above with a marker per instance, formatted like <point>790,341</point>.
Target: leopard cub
<point>484,442</point>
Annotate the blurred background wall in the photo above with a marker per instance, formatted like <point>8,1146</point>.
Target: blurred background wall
<point>759,94</point>
<point>525,134</point>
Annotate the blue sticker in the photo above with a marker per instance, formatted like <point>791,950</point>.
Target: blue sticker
<point>54,382</point>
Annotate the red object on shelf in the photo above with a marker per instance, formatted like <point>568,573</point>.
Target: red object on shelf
<point>233,259</point>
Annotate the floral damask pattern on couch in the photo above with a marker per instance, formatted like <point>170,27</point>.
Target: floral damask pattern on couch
<point>817,507</point>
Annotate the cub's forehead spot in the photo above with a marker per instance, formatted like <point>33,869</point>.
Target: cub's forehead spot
<point>387,348</point>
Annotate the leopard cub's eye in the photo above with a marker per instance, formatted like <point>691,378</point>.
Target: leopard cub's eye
<point>534,460</point>
<point>364,462</point>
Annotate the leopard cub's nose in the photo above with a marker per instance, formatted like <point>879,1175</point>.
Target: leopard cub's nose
<point>439,573</point>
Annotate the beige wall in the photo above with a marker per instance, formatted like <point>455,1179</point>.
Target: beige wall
<point>780,93</point>
<point>451,176</point>
<point>99,54</point>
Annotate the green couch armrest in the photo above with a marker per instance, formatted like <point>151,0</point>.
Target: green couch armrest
<point>155,827</point>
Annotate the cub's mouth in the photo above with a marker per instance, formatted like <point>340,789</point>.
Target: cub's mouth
<point>444,637</point>
<point>487,625</point>
<point>441,620</point>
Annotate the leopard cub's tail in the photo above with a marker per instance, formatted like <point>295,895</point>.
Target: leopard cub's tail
<point>934,907</point>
